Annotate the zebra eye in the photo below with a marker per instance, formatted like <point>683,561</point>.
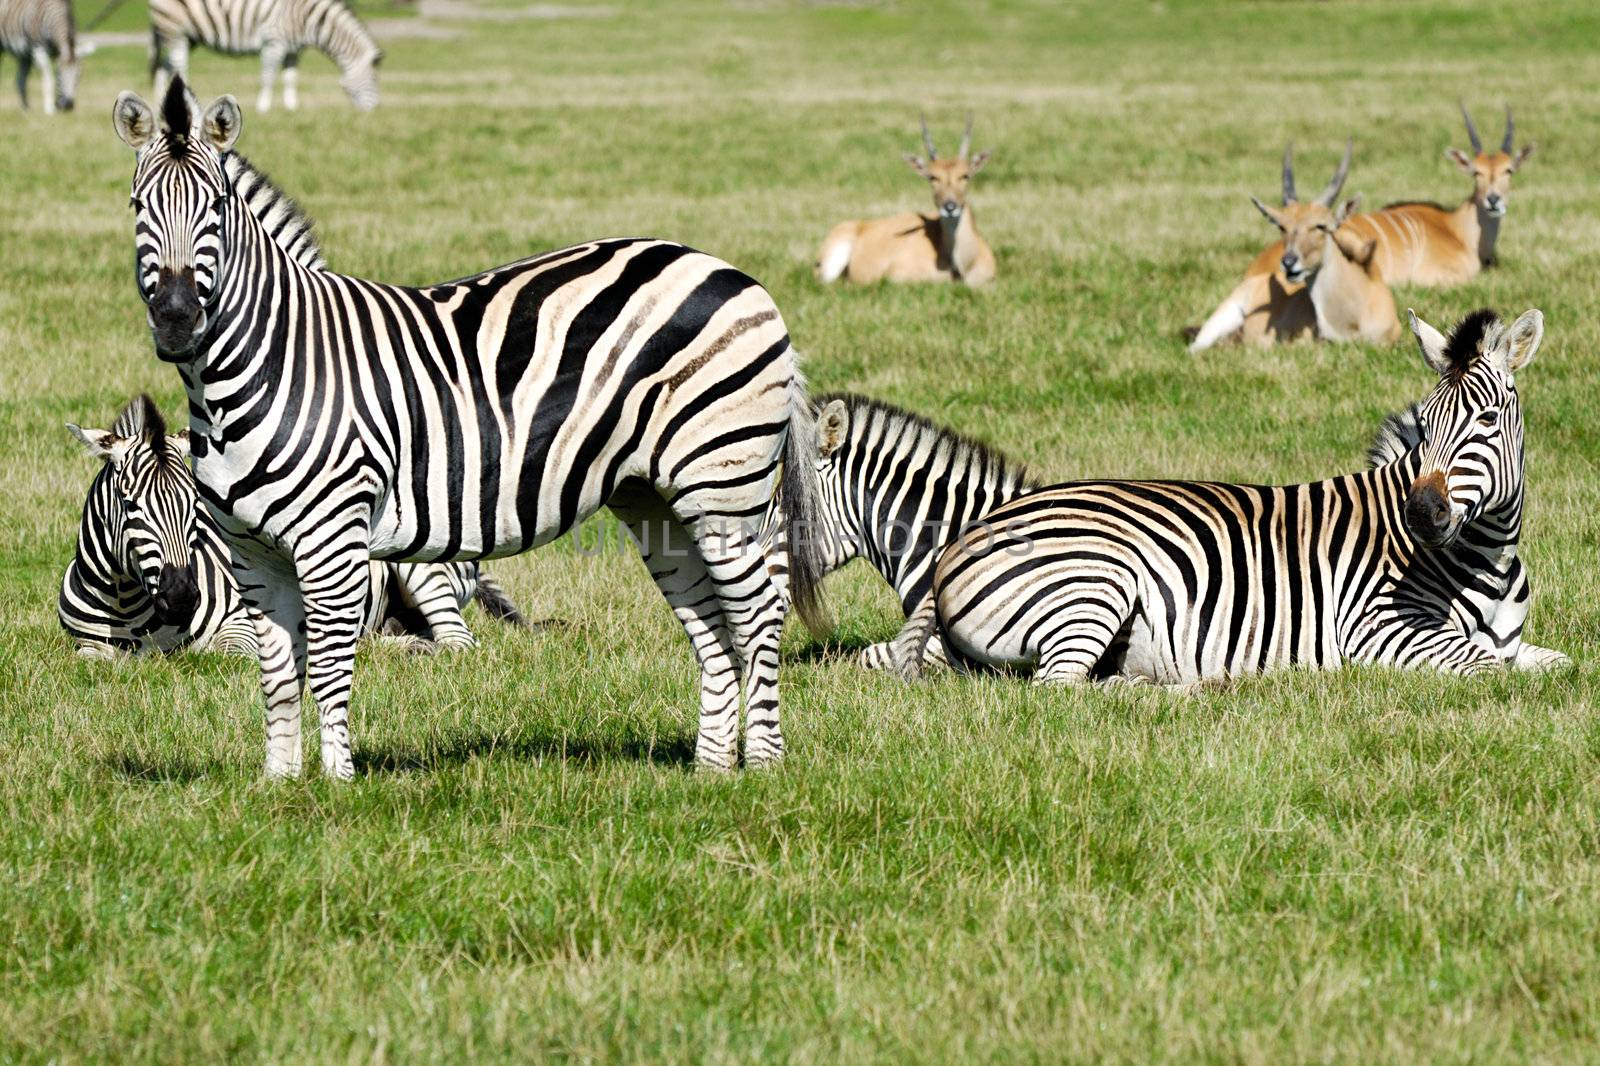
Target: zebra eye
<point>1489,419</point>
<point>136,203</point>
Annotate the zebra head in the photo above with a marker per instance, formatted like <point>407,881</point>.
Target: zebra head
<point>179,191</point>
<point>150,519</point>
<point>1471,426</point>
<point>359,78</point>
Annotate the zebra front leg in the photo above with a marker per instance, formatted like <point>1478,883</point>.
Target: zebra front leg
<point>272,601</point>
<point>47,79</point>
<point>1502,634</point>
<point>24,66</point>
<point>334,587</point>
<point>291,81</point>
<point>432,589</point>
<point>272,53</point>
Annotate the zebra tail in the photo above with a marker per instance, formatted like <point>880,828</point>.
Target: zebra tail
<point>910,645</point>
<point>802,511</point>
<point>495,603</point>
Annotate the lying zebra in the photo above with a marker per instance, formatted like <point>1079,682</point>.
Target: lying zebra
<point>894,489</point>
<point>1411,563</point>
<point>151,572</point>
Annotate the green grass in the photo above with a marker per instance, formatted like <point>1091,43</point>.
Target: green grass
<point>1366,866</point>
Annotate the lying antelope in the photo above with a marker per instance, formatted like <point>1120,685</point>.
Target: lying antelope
<point>1422,243</point>
<point>943,246</point>
<point>1330,285</point>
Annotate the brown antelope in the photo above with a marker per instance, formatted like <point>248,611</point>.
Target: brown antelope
<point>943,246</point>
<point>1328,284</point>
<point>1422,243</point>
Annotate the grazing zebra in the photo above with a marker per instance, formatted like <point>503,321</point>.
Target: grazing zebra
<point>152,574</point>
<point>42,33</point>
<point>894,489</point>
<point>333,418</point>
<point>1411,563</point>
<point>279,30</point>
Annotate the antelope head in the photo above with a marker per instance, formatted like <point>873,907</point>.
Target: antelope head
<point>1490,171</point>
<point>1309,228</point>
<point>950,178</point>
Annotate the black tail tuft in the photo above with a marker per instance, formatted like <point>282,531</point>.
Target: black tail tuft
<point>802,513</point>
<point>495,603</point>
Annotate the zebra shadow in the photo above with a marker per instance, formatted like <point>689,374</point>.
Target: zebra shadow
<point>166,771</point>
<point>829,649</point>
<point>455,750</point>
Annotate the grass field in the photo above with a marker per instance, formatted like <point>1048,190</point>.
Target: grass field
<point>1367,866</point>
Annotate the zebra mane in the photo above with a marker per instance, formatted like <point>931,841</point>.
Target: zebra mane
<point>141,418</point>
<point>1400,432</point>
<point>289,226</point>
<point>1474,335</point>
<point>866,412</point>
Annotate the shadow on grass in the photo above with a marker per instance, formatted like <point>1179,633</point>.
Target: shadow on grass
<point>442,752</point>
<point>830,649</point>
<point>175,771</point>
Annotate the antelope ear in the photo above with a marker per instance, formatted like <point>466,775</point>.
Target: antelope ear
<point>222,122</point>
<point>1348,208</point>
<point>179,442</point>
<point>97,442</point>
<point>1355,249</point>
<point>1431,342</point>
<point>133,120</point>
<point>1517,347</point>
<point>832,425</point>
<point>1522,157</point>
<point>1272,215</point>
<point>978,161</point>
<point>915,163</point>
<point>1461,159</point>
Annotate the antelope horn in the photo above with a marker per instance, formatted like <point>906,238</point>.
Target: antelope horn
<point>1472,131</point>
<point>1331,193</point>
<point>1505,145</point>
<point>966,137</point>
<point>1288,174</point>
<point>927,139</point>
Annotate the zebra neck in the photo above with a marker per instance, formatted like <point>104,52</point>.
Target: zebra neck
<point>340,34</point>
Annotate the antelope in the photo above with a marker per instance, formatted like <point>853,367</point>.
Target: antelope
<point>943,246</point>
<point>1328,285</point>
<point>1422,243</point>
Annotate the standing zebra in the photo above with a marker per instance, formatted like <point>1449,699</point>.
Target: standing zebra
<point>334,417</point>
<point>1411,563</point>
<point>152,573</point>
<point>279,30</point>
<point>42,33</point>
<point>894,489</point>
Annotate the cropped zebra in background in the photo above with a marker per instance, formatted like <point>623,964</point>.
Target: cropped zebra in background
<point>335,418</point>
<point>152,574</point>
<point>1411,563</point>
<point>279,30</point>
<point>41,33</point>
<point>894,489</point>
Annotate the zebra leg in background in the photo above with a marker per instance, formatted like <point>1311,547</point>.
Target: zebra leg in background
<point>754,611</point>
<point>171,57</point>
<point>291,81</point>
<point>272,598</point>
<point>47,79</point>
<point>675,565</point>
<point>272,53</point>
<point>24,65</point>
<point>334,588</point>
<point>432,590</point>
<point>880,656</point>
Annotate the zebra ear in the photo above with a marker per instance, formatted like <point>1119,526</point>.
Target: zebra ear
<point>179,442</point>
<point>133,120</point>
<point>97,442</point>
<point>1431,342</point>
<point>222,122</point>
<point>1516,349</point>
<point>832,425</point>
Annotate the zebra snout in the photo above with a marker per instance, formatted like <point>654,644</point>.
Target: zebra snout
<point>174,312</point>
<point>1427,511</point>
<point>177,596</point>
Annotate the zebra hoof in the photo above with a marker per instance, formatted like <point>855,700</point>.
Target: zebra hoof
<point>715,762</point>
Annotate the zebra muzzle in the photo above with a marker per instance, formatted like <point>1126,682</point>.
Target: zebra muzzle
<point>1427,511</point>
<point>175,312</point>
<point>176,596</point>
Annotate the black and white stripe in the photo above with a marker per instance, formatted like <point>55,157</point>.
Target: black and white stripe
<point>333,417</point>
<point>894,489</point>
<point>277,29</point>
<point>152,574</point>
<point>1411,563</point>
<point>41,33</point>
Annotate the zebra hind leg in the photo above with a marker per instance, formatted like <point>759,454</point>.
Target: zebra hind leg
<point>272,602</point>
<point>436,592</point>
<point>1087,624</point>
<point>272,53</point>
